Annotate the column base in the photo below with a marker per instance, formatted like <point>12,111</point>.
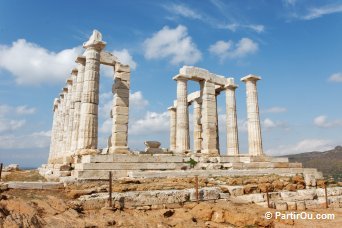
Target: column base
<point>210,152</point>
<point>118,150</point>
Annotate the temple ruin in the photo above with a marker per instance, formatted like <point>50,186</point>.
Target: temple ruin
<point>74,152</point>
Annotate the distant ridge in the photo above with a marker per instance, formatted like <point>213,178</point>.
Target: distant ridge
<point>329,162</point>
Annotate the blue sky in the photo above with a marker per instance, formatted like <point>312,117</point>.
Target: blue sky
<point>294,45</point>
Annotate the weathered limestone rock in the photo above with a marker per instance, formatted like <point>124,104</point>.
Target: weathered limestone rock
<point>231,121</point>
<point>254,128</point>
<point>88,129</point>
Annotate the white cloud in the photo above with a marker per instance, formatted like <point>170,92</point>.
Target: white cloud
<point>24,110</point>
<point>183,11</point>
<point>317,12</point>
<point>32,64</point>
<point>269,124</point>
<point>152,122</point>
<point>275,109</point>
<point>33,140</point>
<point>175,44</point>
<point>227,49</point>
<point>7,125</point>
<point>125,57</point>
<point>235,26</point>
<point>322,121</point>
<point>137,100</point>
<point>306,145</point>
<point>337,77</point>
<point>289,2</point>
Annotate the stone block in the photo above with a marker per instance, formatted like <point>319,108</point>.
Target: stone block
<point>109,158</point>
<point>34,185</point>
<point>307,194</point>
<point>121,92</point>
<point>120,84</point>
<point>120,128</point>
<point>250,198</point>
<point>209,193</point>
<point>281,206</point>
<point>291,206</point>
<point>98,174</point>
<point>119,137</point>
<point>331,191</point>
<point>122,68</point>
<point>295,165</point>
<point>120,101</point>
<point>118,110</point>
<point>235,190</point>
<point>90,97</point>
<point>89,108</point>
<point>91,86</point>
<point>120,119</point>
<point>125,166</point>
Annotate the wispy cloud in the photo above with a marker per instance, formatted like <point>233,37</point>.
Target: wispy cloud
<point>235,26</point>
<point>184,11</point>
<point>275,109</point>
<point>323,122</point>
<point>337,77</point>
<point>317,12</point>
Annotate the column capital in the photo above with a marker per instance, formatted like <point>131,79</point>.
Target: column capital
<point>95,41</point>
<point>65,90</point>
<point>171,108</point>
<point>180,77</point>
<point>61,95</point>
<point>74,71</point>
<point>250,77</point>
<point>69,81</point>
<point>80,59</point>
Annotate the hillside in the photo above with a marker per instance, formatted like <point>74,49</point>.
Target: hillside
<point>329,162</point>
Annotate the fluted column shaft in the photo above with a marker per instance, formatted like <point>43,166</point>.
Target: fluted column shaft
<point>54,130</point>
<point>209,119</point>
<point>231,121</point>
<point>197,125</point>
<point>72,110</point>
<point>63,122</point>
<point>254,128</point>
<point>173,125</point>
<point>78,97</point>
<point>182,137</point>
<point>88,129</point>
<point>69,113</point>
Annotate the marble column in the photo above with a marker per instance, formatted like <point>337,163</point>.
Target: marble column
<point>182,113</point>
<point>53,142</point>
<point>78,98</point>
<point>254,129</point>
<point>197,125</point>
<point>72,109</point>
<point>120,109</point>
<point>88,129</point>
<point>231,121</point>
<point>67,129</point>
<point>173,125</point>
<point>63,122</point>
<point>209,119</point>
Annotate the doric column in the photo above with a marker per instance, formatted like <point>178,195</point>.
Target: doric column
<point>182,115</point>
<point>78,97</point>
<point>59,130</point>
<point>63,122</point>
<point>53,142</point>
<point>72,109</point>
<point>209,119</point>
<point>254,129</point>
<point>231,121</point>
<point>68,114</point>
<point>120,109</point>
<point>197,125</point>
<point>173,125</point>
<point>88,129</point>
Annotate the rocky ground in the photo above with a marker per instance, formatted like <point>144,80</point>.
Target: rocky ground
<point>60,208</point>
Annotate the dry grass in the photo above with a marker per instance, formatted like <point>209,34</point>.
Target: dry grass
<point>24,175</point>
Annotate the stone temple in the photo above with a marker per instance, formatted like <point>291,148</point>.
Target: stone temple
<point>74,152</point>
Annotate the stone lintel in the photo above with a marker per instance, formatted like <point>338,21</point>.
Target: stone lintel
<point>108,58</point>
<point>231,86</point>
<point>193,96</point>
<point>181,77</point>
<point>250,77</point>
<point>171,108</point>
<point>199,74</point>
